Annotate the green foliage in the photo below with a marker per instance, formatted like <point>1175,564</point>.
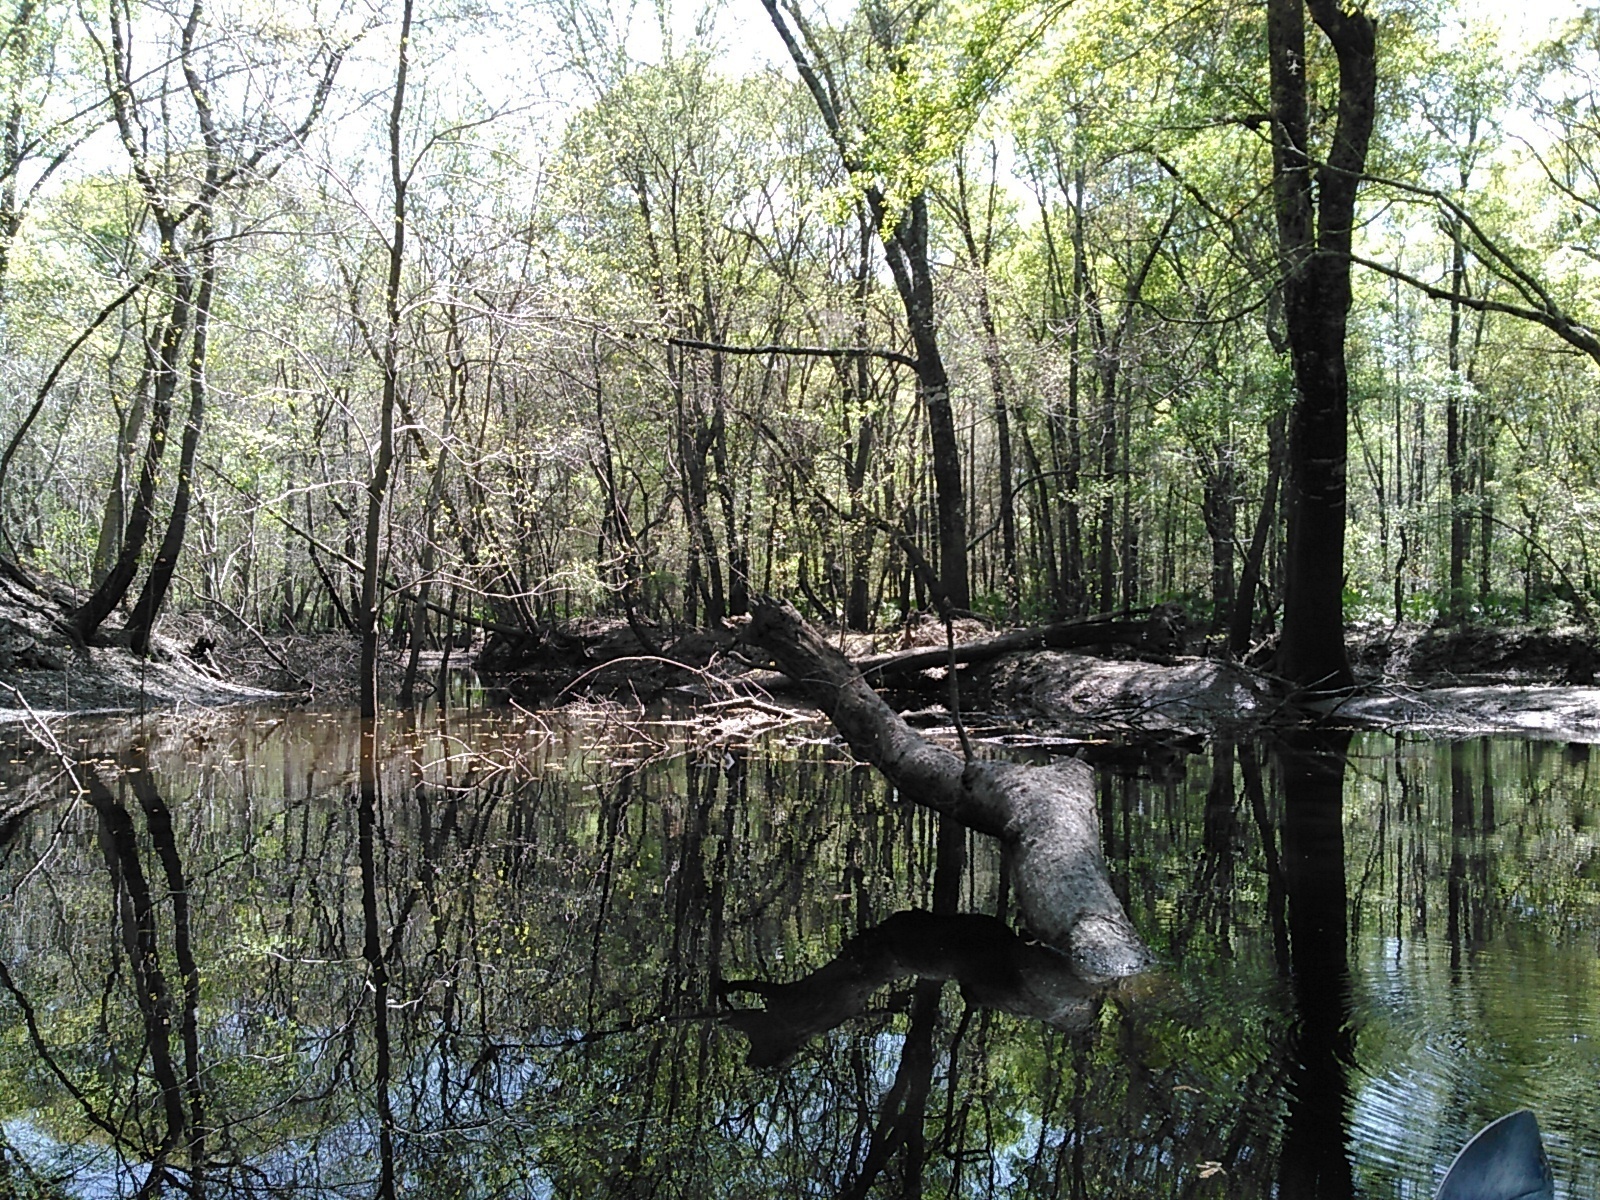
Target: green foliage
<point>1108,159</point>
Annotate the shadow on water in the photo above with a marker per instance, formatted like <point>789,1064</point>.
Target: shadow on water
<point>485,954</point>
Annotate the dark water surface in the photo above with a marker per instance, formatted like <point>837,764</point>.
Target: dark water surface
<point>593,956</point>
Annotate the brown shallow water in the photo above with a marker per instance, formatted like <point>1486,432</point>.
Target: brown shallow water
<point>593,955</point>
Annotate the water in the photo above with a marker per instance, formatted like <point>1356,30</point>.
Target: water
<point>595,955</point>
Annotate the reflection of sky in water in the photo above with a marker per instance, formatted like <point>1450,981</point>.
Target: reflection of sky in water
<point>553,1001</point>
<point>95,1172</point>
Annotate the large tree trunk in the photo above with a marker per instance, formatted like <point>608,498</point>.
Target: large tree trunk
<point>1044,816</point>
<point>1315,212</point>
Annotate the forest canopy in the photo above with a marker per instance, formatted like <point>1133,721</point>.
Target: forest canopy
<point>393,318</point>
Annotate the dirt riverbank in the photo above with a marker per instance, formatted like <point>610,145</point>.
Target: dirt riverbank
<point>1441,682</point>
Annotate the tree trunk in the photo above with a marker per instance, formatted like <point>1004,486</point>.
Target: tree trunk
<point>1073,590</point>
<point>1242,619</point>
<point>1106,363</point>
<point>1485,516</point>
<point>858,455</point>
<point>905,243</point>
<point>703,581</point>
<point>378,488</point>
<point>93,612</point>
<point>908,261</point>
<point>995,367</point>
<point>1041,521</point>
<point>1315,208</point>
<point>109,543</point>
<point>141,622</point>
<point>1044,816</point>
<point>1219,509</point>
<point>454,394</point>
<point>738,594</point>
<point>1131,523</point>
<point>1455,438</point>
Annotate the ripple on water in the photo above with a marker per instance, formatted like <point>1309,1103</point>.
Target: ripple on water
<point>1442,1051</point>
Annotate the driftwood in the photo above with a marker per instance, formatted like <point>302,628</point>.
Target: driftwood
<point>1044,816</point>
<point>1160,631</point>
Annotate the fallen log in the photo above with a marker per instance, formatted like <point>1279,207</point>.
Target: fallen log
<point>1160,631</point>
<point>1044,816</point>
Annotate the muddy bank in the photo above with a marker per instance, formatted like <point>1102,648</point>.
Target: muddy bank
<point>1421,656</point>
<point>1522,680</point>
<point>101,680</point>
<point>1078,695</point>
<point>1442,682</point>
<point>44,666</point>
<point>1552,712</point>
<point>1437,682</point>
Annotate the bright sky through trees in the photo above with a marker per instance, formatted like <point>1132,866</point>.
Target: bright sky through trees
<point>644,248</point>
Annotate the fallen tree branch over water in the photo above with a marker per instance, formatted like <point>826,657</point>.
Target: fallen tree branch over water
<point>1044,816</point>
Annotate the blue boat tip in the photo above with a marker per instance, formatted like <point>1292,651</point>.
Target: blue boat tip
<point>1505,1160</point>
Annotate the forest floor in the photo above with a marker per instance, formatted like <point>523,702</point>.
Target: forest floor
<point>1532,682</point>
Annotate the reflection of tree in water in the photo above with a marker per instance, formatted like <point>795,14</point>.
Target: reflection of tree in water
<point>144,918</point>
<point>532,970</point>
<point>1470,912</point>
<point>1315,1159</point>
<point>551,941</point>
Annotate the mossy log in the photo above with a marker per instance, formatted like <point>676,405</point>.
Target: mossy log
<point>1044,816</point>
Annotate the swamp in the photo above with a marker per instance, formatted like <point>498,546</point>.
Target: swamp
<point>769,598</point>
<point>597,952</point>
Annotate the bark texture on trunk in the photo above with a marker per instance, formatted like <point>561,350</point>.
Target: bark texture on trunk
<point>1044,816</point>
<point>1315,205</point>
<point>164,370</point>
